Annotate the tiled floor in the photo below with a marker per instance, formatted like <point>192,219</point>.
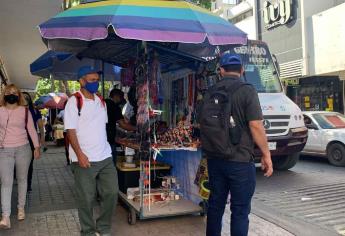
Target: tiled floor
<point>51,210</point>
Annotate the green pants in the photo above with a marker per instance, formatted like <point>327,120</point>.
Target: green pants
<point>100,178</point>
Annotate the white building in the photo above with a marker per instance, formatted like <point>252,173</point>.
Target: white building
<point>307,37</point>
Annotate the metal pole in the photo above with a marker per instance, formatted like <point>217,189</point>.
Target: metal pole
<point>103,89</point>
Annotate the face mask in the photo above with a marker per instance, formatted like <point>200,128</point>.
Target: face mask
<point>92,87</point>
<point>11,99</point>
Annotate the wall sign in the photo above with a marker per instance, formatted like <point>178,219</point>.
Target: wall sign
<point>277,13</point>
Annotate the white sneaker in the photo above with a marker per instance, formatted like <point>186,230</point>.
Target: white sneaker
<point>21,214</point>
<point>5,223</point>
<point>97,234</point>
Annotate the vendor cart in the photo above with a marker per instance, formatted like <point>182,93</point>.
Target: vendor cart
<point>138,209</point>
<point>145,38</point>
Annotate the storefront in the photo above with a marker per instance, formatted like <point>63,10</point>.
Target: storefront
<point>319,93</point>
<point>297,32</point>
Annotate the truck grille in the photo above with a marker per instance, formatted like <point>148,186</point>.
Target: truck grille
<point>277,124</point>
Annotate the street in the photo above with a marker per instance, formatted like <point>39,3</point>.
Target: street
<point>307,200</point>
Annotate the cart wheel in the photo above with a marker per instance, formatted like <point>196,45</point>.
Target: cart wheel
<point>132,217</point>
<point>204,206</point>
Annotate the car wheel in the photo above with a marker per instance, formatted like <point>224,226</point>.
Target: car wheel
<point>285,162</point>
<point>336,154</point>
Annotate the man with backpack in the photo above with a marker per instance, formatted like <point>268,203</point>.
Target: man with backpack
<point>90,153</point>
<point>230,120</point>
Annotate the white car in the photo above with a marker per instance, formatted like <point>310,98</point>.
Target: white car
<point>326,136</point>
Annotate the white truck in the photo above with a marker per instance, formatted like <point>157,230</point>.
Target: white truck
<point>283,119</point>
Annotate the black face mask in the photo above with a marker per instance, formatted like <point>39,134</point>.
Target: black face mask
<point>11,99</point>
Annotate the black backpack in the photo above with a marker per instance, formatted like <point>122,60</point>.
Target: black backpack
<point>220,132</point>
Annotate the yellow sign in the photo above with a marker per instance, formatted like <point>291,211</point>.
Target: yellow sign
<point>291,81</point>
<point>330,104</point>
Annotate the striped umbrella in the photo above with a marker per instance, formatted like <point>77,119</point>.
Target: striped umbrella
<point>65,66</point>
<point>145,20</point>
<point>51,101</point>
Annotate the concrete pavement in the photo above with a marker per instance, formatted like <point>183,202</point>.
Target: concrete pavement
<point>51,210</point>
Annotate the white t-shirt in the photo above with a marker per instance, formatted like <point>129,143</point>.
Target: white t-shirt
<point>90,127</point>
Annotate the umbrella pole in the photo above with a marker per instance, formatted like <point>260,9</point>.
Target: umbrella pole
<point>103,89</point>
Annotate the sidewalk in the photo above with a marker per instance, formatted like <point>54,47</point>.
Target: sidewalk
<point>51,210</point>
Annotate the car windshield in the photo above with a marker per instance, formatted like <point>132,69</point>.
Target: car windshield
<point>259,68</point>
<point>330,120</point>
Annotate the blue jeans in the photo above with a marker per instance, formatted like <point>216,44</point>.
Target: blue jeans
<point>238,178</point>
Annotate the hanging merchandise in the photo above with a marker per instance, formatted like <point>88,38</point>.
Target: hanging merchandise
<point>154,78</point>
<point>190,90</point>
<point>127,73</point>
<point>143,117</point>
<point>190,98</point>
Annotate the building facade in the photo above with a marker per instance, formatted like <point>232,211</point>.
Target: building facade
<point>306,37</point>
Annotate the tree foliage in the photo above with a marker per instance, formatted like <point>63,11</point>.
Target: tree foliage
<point>45,86</point>
<point>203,3</point>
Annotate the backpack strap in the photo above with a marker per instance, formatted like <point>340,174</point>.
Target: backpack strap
<point>26,117</point>
<point>102,99</point>
<point>232,89</point>
<point>79,98</point>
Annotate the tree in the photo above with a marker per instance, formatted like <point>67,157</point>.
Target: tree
<point>203,3</point>
<point>44,87</point>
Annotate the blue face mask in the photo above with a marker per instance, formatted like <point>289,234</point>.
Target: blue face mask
<point>92,87</point>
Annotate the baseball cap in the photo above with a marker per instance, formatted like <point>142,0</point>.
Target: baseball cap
<point>85,70</point>
<point>230,59</point>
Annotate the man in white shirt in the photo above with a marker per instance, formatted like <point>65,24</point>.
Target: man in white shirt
<point>90,152</point>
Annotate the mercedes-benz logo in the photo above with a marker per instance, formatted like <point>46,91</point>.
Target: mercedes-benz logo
<point>267,124</point>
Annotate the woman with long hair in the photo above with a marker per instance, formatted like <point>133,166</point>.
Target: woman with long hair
<point>15,125</point>
<point>38,123</point>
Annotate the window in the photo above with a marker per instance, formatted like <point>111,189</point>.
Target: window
<point>232,2</point>
<point>330,120</point>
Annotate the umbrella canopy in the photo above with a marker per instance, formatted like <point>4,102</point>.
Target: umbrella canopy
<point>149,20</point>
<point>64,66</point>
<point>51,101</point>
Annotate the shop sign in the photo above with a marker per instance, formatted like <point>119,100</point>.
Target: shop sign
<point>67,4</point>
<point>257,55</point>
<point>291,81</point>
<point>277,13</point>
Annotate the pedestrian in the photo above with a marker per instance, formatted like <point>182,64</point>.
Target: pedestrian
<point>38,123</point>
<point>60,120</point>
<point>92,165</point>
<point>48,131</point>
<point>15,151</point>
<point>230,122</point>
<point>115,100</point>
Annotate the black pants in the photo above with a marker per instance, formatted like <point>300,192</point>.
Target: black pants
<point>237,178</point>
<point>66,142</point>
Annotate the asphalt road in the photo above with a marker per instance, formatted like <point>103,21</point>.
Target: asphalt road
<point>307,200</point>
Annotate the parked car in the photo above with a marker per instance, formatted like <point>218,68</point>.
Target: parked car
<point>326,136</point>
